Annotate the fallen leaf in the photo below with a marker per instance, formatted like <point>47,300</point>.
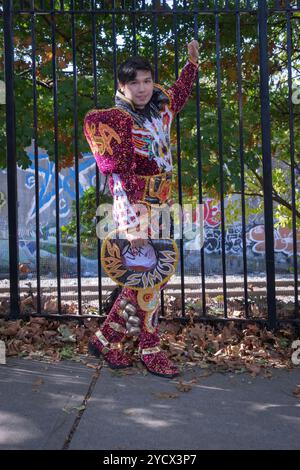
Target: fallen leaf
<point>296,391</point>
<point>51,306</point>
<point>93,366</point>
<point>37,383</point>
<point>184,387</point>
<point>74,408</point>
<point>254,370</point>
<point>80,408</point>
<point>164,395</point>
<point>206,373</point>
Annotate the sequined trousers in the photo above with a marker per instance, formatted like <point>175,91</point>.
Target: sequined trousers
<point>108,341</point>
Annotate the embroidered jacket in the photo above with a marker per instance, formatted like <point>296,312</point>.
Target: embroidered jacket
<point>133,146</point>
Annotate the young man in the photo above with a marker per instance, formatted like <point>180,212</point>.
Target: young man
<point>131,144</point>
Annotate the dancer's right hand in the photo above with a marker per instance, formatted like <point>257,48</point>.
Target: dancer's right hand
<point>135,241</point>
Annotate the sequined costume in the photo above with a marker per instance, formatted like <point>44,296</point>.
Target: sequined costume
<point>133,147</point>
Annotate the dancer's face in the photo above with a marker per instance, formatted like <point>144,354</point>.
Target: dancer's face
<point>139,90</point>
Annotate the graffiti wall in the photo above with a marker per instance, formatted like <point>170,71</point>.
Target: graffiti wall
<point>47,210</point>
<point>255,236</point>
<point>255,245</point>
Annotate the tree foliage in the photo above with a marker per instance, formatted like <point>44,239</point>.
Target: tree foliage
<point>59,80</point>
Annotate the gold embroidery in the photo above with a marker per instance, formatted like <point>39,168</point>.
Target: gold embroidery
<point>163,191</point>
<point>116,270</point>
<point>113,250</point>
<point>104,137</point>
<point>107,134</point>
<point>116,346</point>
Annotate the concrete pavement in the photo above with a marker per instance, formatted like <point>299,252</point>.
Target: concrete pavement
<point>70,405</point>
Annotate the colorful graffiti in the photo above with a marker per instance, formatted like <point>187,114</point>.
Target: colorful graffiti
<point>283,240</point>
<point>66,184</point>
<point>255,235</point>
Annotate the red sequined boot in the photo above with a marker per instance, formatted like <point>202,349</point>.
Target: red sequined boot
<point>107,340</point>
<point>155,360</point>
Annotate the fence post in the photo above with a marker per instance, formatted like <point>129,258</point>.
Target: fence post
<point>12,197</point>
<point>267,161</point>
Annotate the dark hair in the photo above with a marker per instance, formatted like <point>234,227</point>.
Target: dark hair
<point>127,69</point>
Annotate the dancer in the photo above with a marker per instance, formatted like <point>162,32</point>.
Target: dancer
<point>131,144</point>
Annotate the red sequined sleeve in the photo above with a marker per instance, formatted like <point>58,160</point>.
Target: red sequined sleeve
<point>108,132</point>
<point>182,88</point>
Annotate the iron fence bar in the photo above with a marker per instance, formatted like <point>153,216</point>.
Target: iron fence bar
<point>277,4</point>
<point>155,45</point>
<point>36,164</point>
<point>97,183</point>
<point>11,155</point>
<point>76,155</point>
<point>199,161</point>
<point>185,320</point>
<point>220,140</point>
<point>179,162</point>
<point>99,266</point>
<point>265,124</point>
<point>138,12</point>
<point>162,298</point>
<point>55,111</point>
<point>241,151</point>
<point>251,6</point>
<point>267,162</point>
<point>94,58</point>
<point>292,153</point>
<point>114,46</point>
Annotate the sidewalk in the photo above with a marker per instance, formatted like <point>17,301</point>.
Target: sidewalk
<point>69,405</point>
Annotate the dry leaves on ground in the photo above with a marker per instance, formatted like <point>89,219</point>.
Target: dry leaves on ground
<point>165,395</point>
<point>220,347</point>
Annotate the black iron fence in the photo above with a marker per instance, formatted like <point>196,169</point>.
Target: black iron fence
<point>237,136</point>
